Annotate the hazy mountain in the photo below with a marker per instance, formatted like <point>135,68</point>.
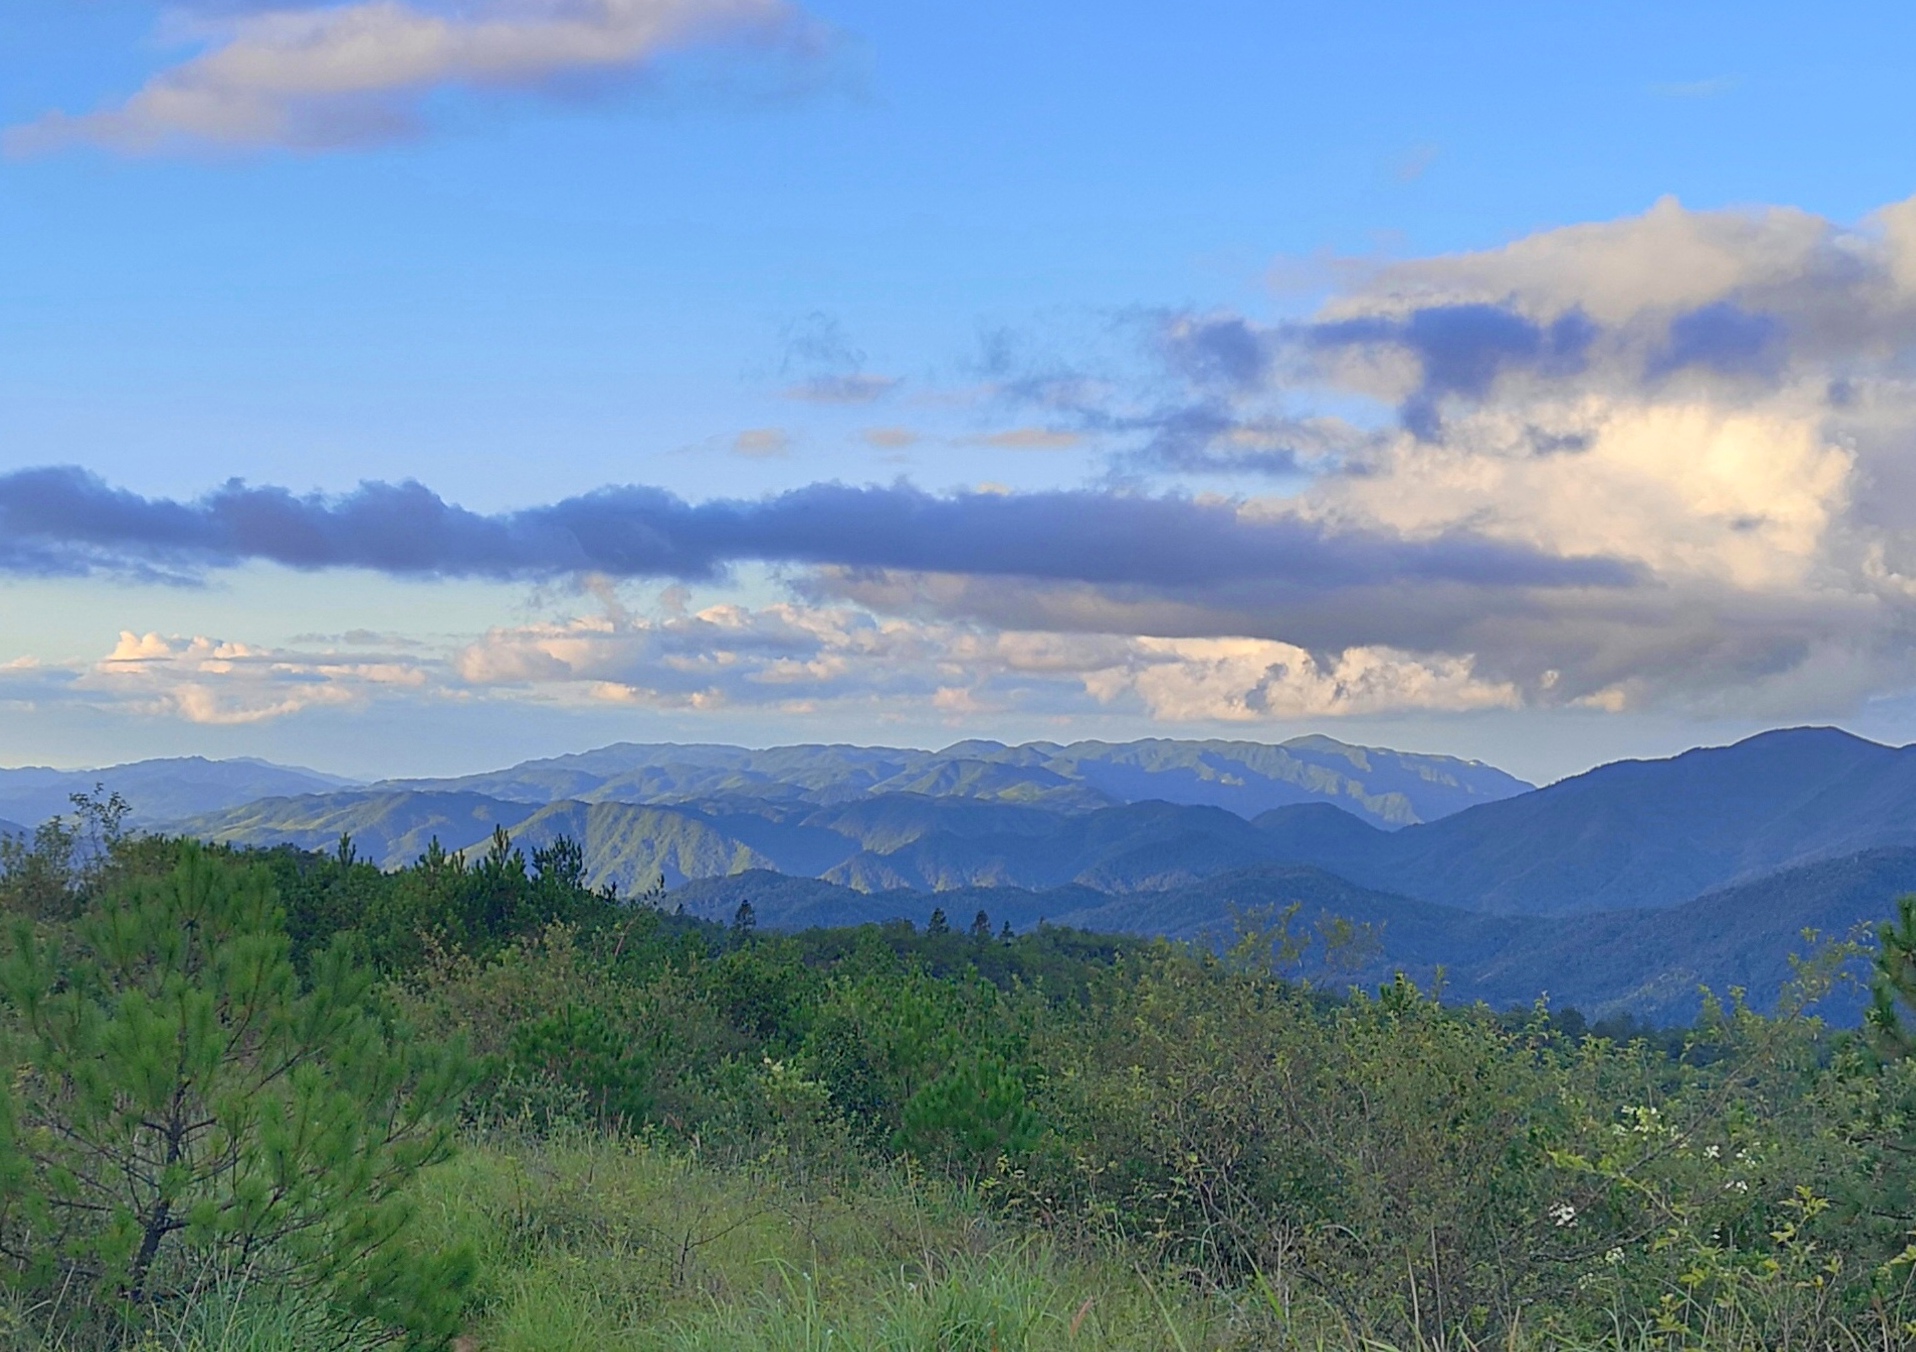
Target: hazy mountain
<point>1649,963</point>
<point>8,828</point>
<point>1638,833</point>
<point>1624,888</point>
<point>158,790</point>
<point>1387,787</point>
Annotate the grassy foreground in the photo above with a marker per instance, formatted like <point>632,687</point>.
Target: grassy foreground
<point>592,1244</point>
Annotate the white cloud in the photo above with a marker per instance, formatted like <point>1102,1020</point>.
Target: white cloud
<point>788,656</point>
<point>1246,680</point>
<point>1724,401</point>
<point>334,75</point>
<point>215,681</point>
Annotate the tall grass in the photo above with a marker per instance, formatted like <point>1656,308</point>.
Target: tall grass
<point>591,1243</point>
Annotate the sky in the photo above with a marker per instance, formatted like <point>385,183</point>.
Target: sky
<point>415,386</point>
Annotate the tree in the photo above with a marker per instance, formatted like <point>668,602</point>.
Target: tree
<point>180,1110</point>
<point>971,1115</point>
<point>981,926</point>
<point>938,924</point>
<point>744,921</point>
<point>1895,981</point>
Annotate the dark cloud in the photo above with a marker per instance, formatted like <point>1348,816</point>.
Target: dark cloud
<point>1220,351</point>
<point>1724,337</point>
<point>1464,348</point>
<point>818,343</point>
<point>67,520</point>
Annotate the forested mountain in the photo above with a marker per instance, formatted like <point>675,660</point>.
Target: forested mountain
<point>1640,833</point>
<point>1624,887</point>
<point>1649,963</point>
<point>1391,788</point>
<point>891,841</point>
<point>162,790</point>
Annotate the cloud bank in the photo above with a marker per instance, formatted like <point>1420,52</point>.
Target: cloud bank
<point>319,77</point>
<point>64,520</point>
<point>1665,462</point>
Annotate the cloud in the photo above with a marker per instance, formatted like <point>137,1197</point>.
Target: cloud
<point>1032,439</point>
<point>890,438</point>
<point>856,388</point>
<point>1661,462</point>
<point>65,520</point>
<point>817,347</point>
<point>217,681</point>
<point>788,656</point>
<point>1416,162</point>
<point>762,443</point>
<point>1697,89</point>
<point>1461,349</point>
<point>318,77</point>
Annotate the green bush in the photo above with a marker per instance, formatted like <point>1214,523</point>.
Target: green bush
<point>578,1048</point>
<point>183,1111</point>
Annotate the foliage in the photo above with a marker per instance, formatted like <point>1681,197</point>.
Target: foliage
<point>183,1110</point>
<point>687,1134</point>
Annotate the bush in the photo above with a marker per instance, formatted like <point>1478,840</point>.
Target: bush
<point>181,1111</point>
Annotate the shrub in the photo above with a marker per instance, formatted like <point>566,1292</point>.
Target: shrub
<point>181,1110</point>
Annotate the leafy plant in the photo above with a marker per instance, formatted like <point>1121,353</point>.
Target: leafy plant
<point>577,1047</point>
<point>973,1114</point>
<point>181,1108</point>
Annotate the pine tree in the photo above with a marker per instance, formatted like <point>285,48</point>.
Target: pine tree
<point>981,926</point>
<point>744,921</point>
<point>938,924</point>
<point>1894,987</point>
<point>180,1109</point>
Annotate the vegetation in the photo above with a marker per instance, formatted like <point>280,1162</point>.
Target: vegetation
<point>266,1099</point>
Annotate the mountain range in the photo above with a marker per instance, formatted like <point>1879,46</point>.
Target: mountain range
<point>159,791</point>
<point>1389,788</point>
<point>1622,888</point>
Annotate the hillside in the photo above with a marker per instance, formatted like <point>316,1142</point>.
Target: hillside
<point>390,829</point>
<point>1648,963</point>
<point>158,791</point>
<point>877,844</point>
<point>1639,833</point>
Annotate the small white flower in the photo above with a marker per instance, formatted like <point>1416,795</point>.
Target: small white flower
<point>1712,1152</point>
<point>1563,1214</point>
<point>1613,1257</point>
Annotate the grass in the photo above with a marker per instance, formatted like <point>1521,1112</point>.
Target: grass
<point>595,1244</point>
<point>588,1243</point>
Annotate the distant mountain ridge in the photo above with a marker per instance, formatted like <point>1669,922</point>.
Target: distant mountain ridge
<point>1390,788</point>
<point>1653,964</point>
<point>889,841</point>
<point>1639,833</point>
<point>162,790</point>
<point>1624,887</point>
<point>1631,835</point>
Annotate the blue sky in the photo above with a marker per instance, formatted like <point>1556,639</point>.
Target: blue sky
<point>735,249</point>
